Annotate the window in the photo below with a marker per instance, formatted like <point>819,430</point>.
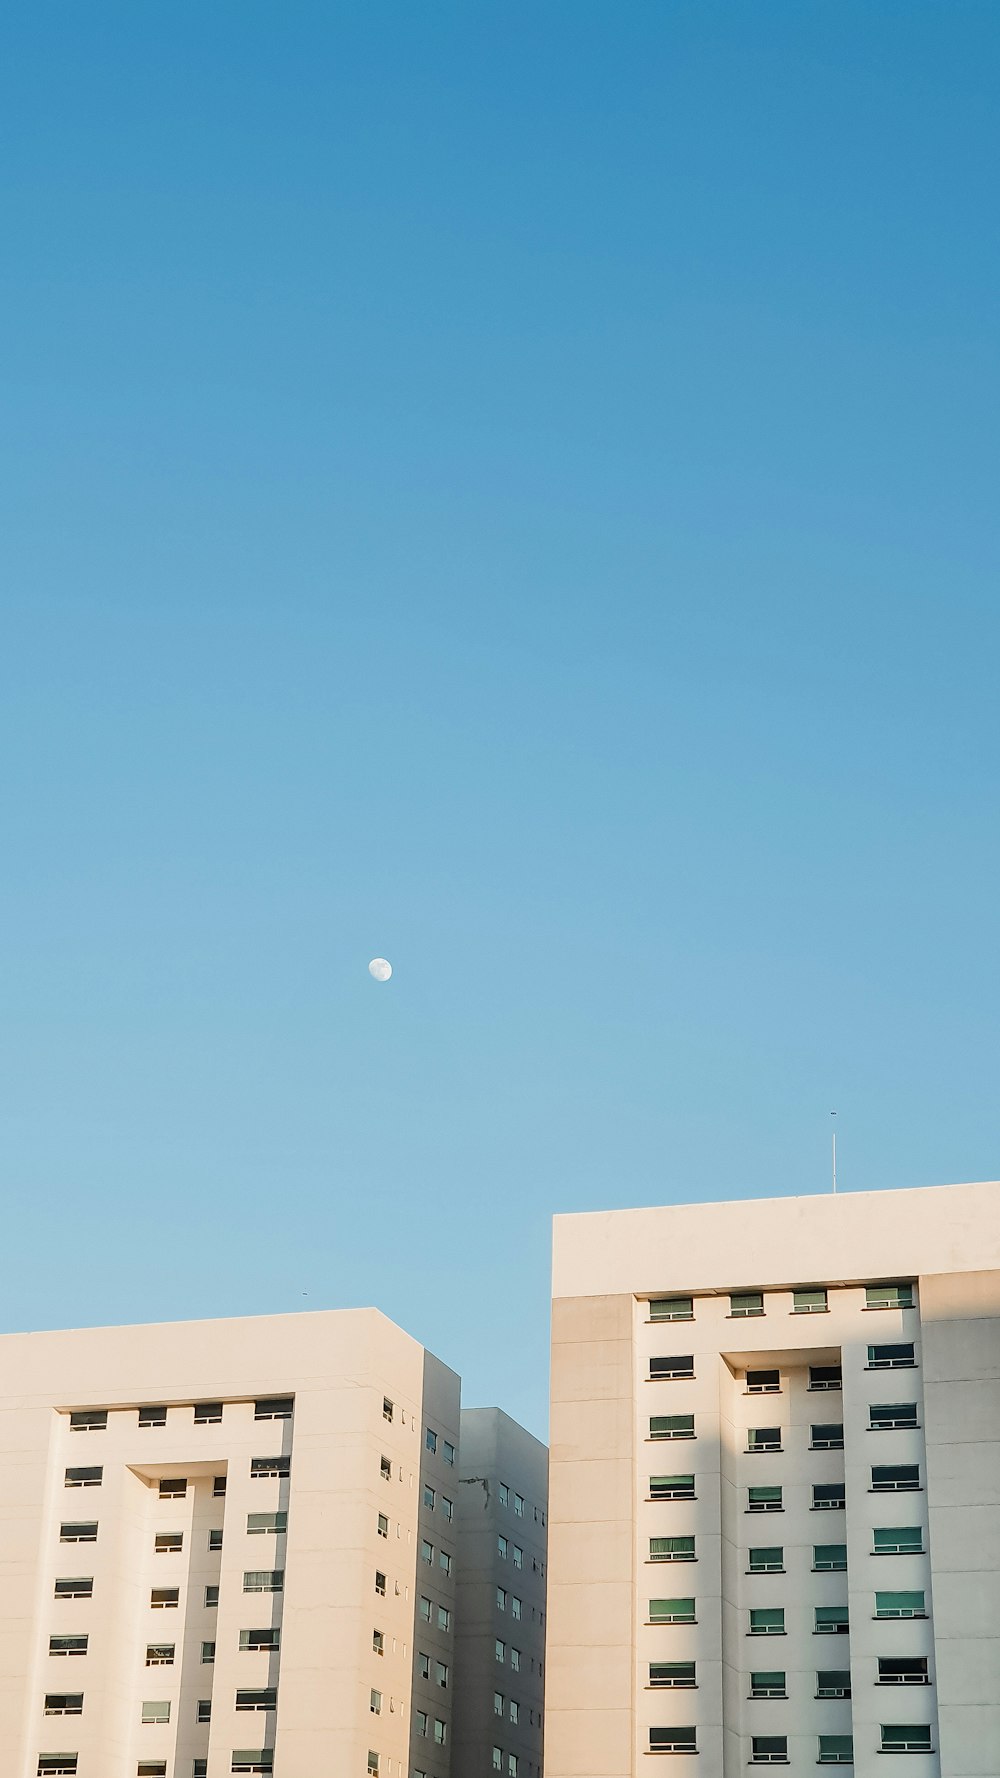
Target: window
<point>895,1478</point>
<point>498,1703</point>
<point>898,1540</point>
<point>373,1763</point>
<point>769,1621</point>
<point>894,1671</point>
<point>204,1712</point>
<point>67,1645</point>
<point>830,1557</point>
<point>75,1587</point>
<point>672,1308</point>
<point>886,1415</point>
<point>79,1531</point>
<point>498,1759</point>
<point>515,1607</point>
<point>444,1561</point>
<point>673,1740</point>
<point>515,1661</point>
<point>254,1639</point>
<point>374,1704</point>
<point>447,1507</point>
<point>672,1368</point>
<point>764,1500</point>
<point>200,1768</point>
<point>671,1426</point>
<point>215,1538</point>
<point>671,1487</point>
<point>63,1704</point>
<point>767,1685</point>
<point>899,1605</point>
<point>89,1476</point>
<point>440,1731</point>
<point>218,1487</point>
<point>208,1654</point>
<point>157,1710</point>
<point>764,1438</point>
<point>512,1765</point>
<point>769,1750</point>
<point>429,1494</point>
<point>889,1296</point>
<point>279,1466</point>
<point>673,1675</point>
<point>899,1357</point>
<point>211,1598</point>
<point>159,1654</point>
<point>827,1496</point>
<point>263,1580</point>
<point>422,1721</point>
<point>504,1493</point>
<point>443,1618</point>
<point>427,1552</point>
<point>266,1698</point>
<point>502,1548</point>
<point>836,1750</point>
<point>168,1543</point>
<point>152,1416</point>
<point>501,1599</point>
<point>89,1420</point>
<point>164,1598</point>
<point>830,1620</point>
<point>246,1759</point>
<point>441,1676</point>
<point>500,1649</point>
<point>207,1413</point>
<point>746,1303</point>
<point>517,1556</point>
<point>388,1408</point>
<point>151,1768</point>
<point>57,1765</point>
<point>431,1440</point>
<point>383,1525</point>
<point>763,1382</point>
<point>827,1438</point>
<point>448,1452</point>
<point>425,1610</point>
<point>906,1737</point>
<point>671,1549</point>
<point>174,1488</point>
<point>833,1683</point>
<point>276,1407</point>
<point>768,1560</point>
<point>519,1506</point>
<point>671,1611</point>
<point>380,1583</point>
<point>826,1376</point>
<point>378,1642</point>
<point>809,1302</point>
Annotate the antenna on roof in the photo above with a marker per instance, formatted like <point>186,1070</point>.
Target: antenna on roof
<point>833,1114</point>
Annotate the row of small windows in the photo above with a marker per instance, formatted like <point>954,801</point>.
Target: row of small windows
<point>745,1304</point>
<point>438,1446</point>
<point>435,1502</point>
<point>823,1436</point>
<point>833,1750</point>
<point>516,1503</point>
<point>898,1356</point>
<point>244,1759</point>
<point>255,1580</point>
<point>206,1413</point>
<point>887,1478</point>
<point>176,1487</point>
<point>427,1554</point>
<point>166,1543</point>
<point>830,1683</point>
<point>157,1710</point>
<point>828,1620</point>
<point>507,1654</point>
<point>887,1540</point>
<point>163,1654</point>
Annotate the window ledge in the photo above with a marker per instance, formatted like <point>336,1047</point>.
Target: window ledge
<point>672,1377</point>
<point>660,1561</point>
<point>763,1392</point>
<point>671,1623</point>
<point>828,1447</point>
<point>919,1552</point>
<point>825,1310</point>
<point>764,1571</point>
<point>686,1687</point>
<point>840,1569</point>
<point>662,1499</point>
<point>666,1320</point>
<point>667,1438</point>
<point>763,1450</point>
<point>762,1697</point>
<point>907,1364</point>
<point>747,1315</point>
<point>895,1617</point>
<point>682,1752</point>
<point>906,1750</point>
<point>767,1632</point>
<point>910,1426</point>
<point>836,1506</point>
<point>906,1488</point>
<point>836,1630</point>
<point>886,1308</point>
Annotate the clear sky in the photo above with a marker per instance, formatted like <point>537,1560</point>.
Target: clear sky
<point>513,488</point>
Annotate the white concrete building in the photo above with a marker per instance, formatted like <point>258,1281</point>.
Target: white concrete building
<point>227,1547</point>
<point>775,1487</point>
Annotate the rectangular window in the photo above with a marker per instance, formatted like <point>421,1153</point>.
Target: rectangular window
<point>200,1768</point>
<point>766,1560</point>
<point>153,1416</point>
<point>208,1413</point>
<point>151,1768</point>
<point>275,1407</point>
<point>75,1587</point>
<point>89,1420</point>
<point>168,1543</point>
<point>254,1639</point>
<point>427,1552</point>
<point>519,1506</point>
<point>764,1500</point>
<point>501,1599</point>
<point>218,1487</point>
<point>836,1750</point>
<point>440,1731</point>
<point>826,1376</point>
<point>895,1478</point>
<point>764,1438</point>
<point>373,1763</point>
<point>274,1466</point>
<point>204,1712</point>
<point>672,1675</point>
<point>763,1382</point>
<point>671,1308</point>
<point>261,1759</point>
<point>899,1357</point>
<point>266,1698</point>
<point>827,1496</point>
<point>504,1493</point>
<point>899,1605</point>
<point>498,1759</point>
<point>906,1737</point>
<point>374,1701</point>
<point>768,1621</point>
<point>515,1661</point>
<point>429,1494</point>
<point>498,1702</point>
<point>447,1507</point>
<point>830,1620</point>
<point>173,1488</point>
<point>422,1721</point>
<point>215,1538</point>
<point>378,1642</point>
<point>89,1475</point>
<point>745,1303</point>
<point>830,1557</point>
<point>444,1561</point>
<point>63,1704</point>
<point>809,1302</point>
<point>208,1654</point>
<point>67,1645</point>
<point>211,1598</point>
<point>671,1611</point>
<point>441,1675</point>
<point>443,1618</point>
<point>671,1549</point>
<point>673,1740</point>
<point>889,1296</point>
<point>79,1531</point>
<point>885,1416</point>
<point>671,1487</point>
<point>670,1369</point>
<point>502,1548</point>
<point>431,1440</point>
<point>833,1682</point>
<point>827,1438</point>
<point>380,1583</point>
<point>500,1650</point>
<point>388,1409</point>
<point>517,1557</point>
<point>767,1685</point>
<point>769,1750</point>
<point>263,1580</point>
<point>448,1453</point>
<point>164,1598</point>
<point>898,1540</point>
<point>671,1426</point>
<point>515,1607</point>
<point>913,1671</point>
<point>156,1710</point>
<point>425,1610</point>
<point>383,1525</point>
<point>56,1765</point>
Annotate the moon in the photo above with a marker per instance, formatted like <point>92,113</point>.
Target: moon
<point>380,969</point>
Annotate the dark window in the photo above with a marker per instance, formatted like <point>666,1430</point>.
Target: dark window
<point>78,1531</point>
<point>672,1367</point>
<point>833,1682</point>
<point>763,1382</point>
<point>764,1500</point>
<point>673,1740</point>
<point>75,1587</point>
<point>827,1438</point>
<point>264,1699</point>
<point>768,1750</point>
<point>899,1357</point>
<point>91,1476</point>
<point>767,1685</point>
<point>671,1308</point>
<point>826,1376</point>
<point>884,1416</point>
<point>64,1704</point>
<point>152,1416</point>
<point>218,1487</point>
<point>204,1709</point>
<point>89,1420</point>
<point>207,1413</point>
<point>671,1487</point>
<point>676,1674</point>
<point>910,1671</point>
<point>895,1478</point>
<point>828,1496</point>
<point>173,1488</point>
<point>251,1639</point>
<point>746,1303</point>
<point>262,1466</point>
<point>67,1645</point>
<point>276,1407</point>
<point>215,1538</point>
<point>165,1598</point>
<point>168,1543</point>
<point>57,1765</point>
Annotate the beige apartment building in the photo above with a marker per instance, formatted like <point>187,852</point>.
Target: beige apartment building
<point>229,1547</point>
<point>774,1533</point>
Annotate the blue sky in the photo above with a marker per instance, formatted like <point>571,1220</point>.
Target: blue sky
<point>511,488</point>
